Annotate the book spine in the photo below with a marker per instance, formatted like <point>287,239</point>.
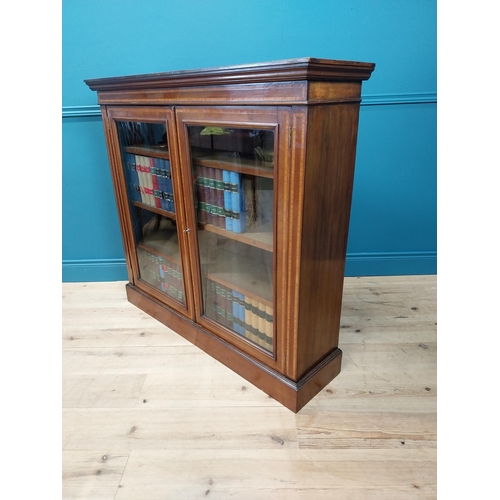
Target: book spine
<point>269,327</point>
<point>170,192</point>
<point>262,325</point>
<point>149,181</point>
<point>200,187</point>
<point>140,174</point>
<point>170,280</point>
<point>219,188</point>
<point>169,289</point>
<point>218,304</point>
<point>229,308</point>
<point>212,197</point>
<point>255,321</point>
<point>135,178</point>
<point>180,283</point>
<point>238,203</point>
<point>236,311</point>
<point>210,304</point>
<point>156,184</point>
<point>160,179</point>
<point>128,175</point>
<point>241,313</point>
<point>153,271</point>
<point>206,194</point>
<point>162,273</point>
<point>228,199</point>
<point>197,192</point>
<point>248,318</point>
<point>176,280</point>
<point>164,180</point>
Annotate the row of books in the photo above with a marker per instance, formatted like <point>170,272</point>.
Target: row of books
<point>150,181</point>
<point>244,315</point>
<point>221,198</point>
<point>162,273</point>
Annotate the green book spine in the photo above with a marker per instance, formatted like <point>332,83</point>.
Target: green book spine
<point>211,301</point>
<point>219,189</point>
<point>212,197</point>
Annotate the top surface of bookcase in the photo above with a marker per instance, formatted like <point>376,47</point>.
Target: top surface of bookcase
<point>307,68</point>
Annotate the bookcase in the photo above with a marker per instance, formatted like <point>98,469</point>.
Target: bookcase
<point>233,187</point>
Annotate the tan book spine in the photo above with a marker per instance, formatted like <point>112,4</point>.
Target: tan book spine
<point>255,322</point>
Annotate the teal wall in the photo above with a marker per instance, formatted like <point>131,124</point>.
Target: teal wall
<point>393,222</point>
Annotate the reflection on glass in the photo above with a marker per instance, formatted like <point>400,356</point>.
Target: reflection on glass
<point>146,164</point>
<point>233,171</point>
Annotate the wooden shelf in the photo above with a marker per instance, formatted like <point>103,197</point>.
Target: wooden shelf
<point>260,237</point>
<point>163,252</point>
<point>221,160</point>
<point>243,273</point>
<point>154,151</point>
<point>164,243</point>
<point>156,210</point>
<point>226,267</point>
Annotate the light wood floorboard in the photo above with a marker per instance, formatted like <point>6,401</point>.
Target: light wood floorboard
<point>147,415</point>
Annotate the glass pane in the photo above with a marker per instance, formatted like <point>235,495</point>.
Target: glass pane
<point>146,164</point>
<point>233,171</point>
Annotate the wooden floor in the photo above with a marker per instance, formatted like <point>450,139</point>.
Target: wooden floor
<point>147,416</point>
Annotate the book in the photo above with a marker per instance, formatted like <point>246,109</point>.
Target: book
<point>149,180</point>
<point>238,203</point>
<point>161,181</point>
<point>255,321</point>
<point>212,196</point>
<point>164,181</point>
<point>269,327</point>
<point>129,176</point>
<point>227,301</point>
<point>156,186</point>
<point>248,184</point>
<point>261,314</point>
<point>200,193</point>
<point>162,267</point>
<point>219,189</point>
<point>180,282</point>
<point>210,303</point>
<point>169,189</point>
<point>135,177</point>
<point>239,313</point>
<point>220,317</point>
<point>248,318</point>
<point>142,182</point>
<point>228,201</point>
<point>235,312</point>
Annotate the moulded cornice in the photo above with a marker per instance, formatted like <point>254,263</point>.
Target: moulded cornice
<point>307,68</point>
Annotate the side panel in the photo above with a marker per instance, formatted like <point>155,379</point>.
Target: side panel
<point>329,173</point>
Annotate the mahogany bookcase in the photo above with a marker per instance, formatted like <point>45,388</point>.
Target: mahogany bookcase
<point>233,187</point>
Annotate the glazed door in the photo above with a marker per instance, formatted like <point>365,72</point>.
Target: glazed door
<point>234,174</point>
<point>146,176</point>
